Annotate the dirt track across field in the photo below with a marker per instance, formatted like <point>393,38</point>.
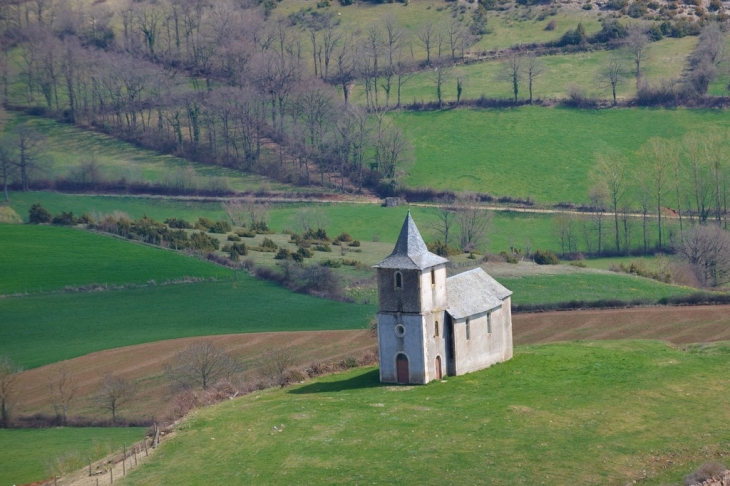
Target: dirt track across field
<point>144,363</point>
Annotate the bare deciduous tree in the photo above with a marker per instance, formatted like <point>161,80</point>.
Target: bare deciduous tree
<point>274,364</point>
<point>611,172</point>
<point>707,250</point>
<point>473,221</point>
<point>611,75</point>
<point>512,73</point>
<point>637,43</point>
<point>312,218</point>
<point>533,69</point>
<point>9,372</point>
<point>426,36</point>
<point>30,152</point>
<point>114,393</point>
<point>63,387</point>
<point>658,166</point>
<point>236,211</point>
<point>201,365</point>
<point>444,225</point>
<point>6,164</point>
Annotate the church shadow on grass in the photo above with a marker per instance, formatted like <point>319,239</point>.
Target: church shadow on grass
<point>371,379</point>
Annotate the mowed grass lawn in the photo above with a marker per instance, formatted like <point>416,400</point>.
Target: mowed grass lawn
<point>26,452</point>
<point>42,258</point>
<point>579,413</point>
<point>42,329</point>
<point>544,153</point>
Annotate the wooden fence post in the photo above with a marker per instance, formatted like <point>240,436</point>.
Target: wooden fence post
<point>145,447</point>
<point>124,461</point>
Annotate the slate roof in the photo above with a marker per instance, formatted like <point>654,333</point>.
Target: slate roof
<point>410,251</point>
<point>473,292</point>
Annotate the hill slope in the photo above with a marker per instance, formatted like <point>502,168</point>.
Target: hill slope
<point>588,413</point>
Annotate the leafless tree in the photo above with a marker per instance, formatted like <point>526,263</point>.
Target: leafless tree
<point>9,372</point>
<point>114,393</point>
<point>426,35</point>
<point>29,147</point>
<point>455,33</point>
<point>658,167</point>
<point>236,211</point>
<point>312,218</point>
<point>715,153</point>
<point>258,212</point>
<point>201,365</point>
<point>612,172</point>
<point>701,180</point>
<point>7,165</point>
<point>63,387</point>
<point>474,222</point>
<point>598,196</point>
<point>393,151</point>
<point>637,43</point>
<point>533,68</point>
<point>707,250</point>
<point>445,223</point>
<point>274,364</point>
<point>565,232</point>
<point>439,76</point>
<point>512,72</point>
<point>611,75</point>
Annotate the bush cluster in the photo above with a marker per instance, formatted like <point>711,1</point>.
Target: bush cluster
<point>546,257</point>
<point>639,268</point>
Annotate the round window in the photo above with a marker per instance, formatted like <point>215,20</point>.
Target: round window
<point>400,330</point>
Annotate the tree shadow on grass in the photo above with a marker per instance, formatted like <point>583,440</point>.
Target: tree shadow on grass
<point>371,379</point>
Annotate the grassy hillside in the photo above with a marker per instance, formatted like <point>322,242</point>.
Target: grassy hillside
<point>68,146</point>
<point>26,452</point>
<point>42,329</point>
<point>667,60</point>
<point>531,151</point>
<point>581,413</point>
<point>42,258</point>
<point>588,286</point>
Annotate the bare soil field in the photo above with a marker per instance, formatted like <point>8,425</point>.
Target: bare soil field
<point>144,363</point>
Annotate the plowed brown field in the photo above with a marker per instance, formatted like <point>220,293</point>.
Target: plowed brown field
<point>144,363</point>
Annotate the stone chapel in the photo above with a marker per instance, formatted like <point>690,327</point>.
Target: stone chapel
<point>429,325</point>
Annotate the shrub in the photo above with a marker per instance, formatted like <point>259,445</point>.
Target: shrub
<point>204,224</point>
<point>220,227</point>
<point>37,214</point>
<point>551,25</point>
<point>442,249</point>
<point>587,6</point>
<point>343,238</point>
<point>203,242</point>
<point>324,248</point>
<point>268,243</point>
<point>178,223</point>
<point>65,219</point>
<point>305,253</point>
<point>283,254</point>
<point>332,263</point>
<point>706,471</point>
<point>234,238</point>
<point>246,233</point>
<point>715,5</point>
<point>636,10</point>
<point>354,243</point>
<point>546,258</point>
<point>509,257</point>
<point>616,4</point>
<point>85,219</point>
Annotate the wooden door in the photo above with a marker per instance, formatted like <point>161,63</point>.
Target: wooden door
<point>401,368</point>
<point>439,371</point>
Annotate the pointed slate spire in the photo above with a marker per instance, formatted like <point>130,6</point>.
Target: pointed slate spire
<point>410,251</point>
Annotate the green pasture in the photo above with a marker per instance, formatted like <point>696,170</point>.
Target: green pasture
<point>27,452</point>
<point>586,286</point>
<point>45,328</point>
<point>667,59</point>
<point>364,222</point>
<point>42,258</point>
<point>577,413</point>
<point>69,146</point>
<point>545,153</point>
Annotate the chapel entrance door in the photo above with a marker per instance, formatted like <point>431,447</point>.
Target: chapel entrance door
<point>439,371</point>
<point>401,368</point>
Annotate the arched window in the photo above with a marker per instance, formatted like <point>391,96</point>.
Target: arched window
<point>398,280</point>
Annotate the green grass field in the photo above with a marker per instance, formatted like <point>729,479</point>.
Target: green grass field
<point>68,146</point>
<point>667,60</point>
<point>579,413</point>
<point>588,287</point>
<point>43,258</point>
<point>26,452</point>
<point>42,329</point>
<point>546,153</point>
